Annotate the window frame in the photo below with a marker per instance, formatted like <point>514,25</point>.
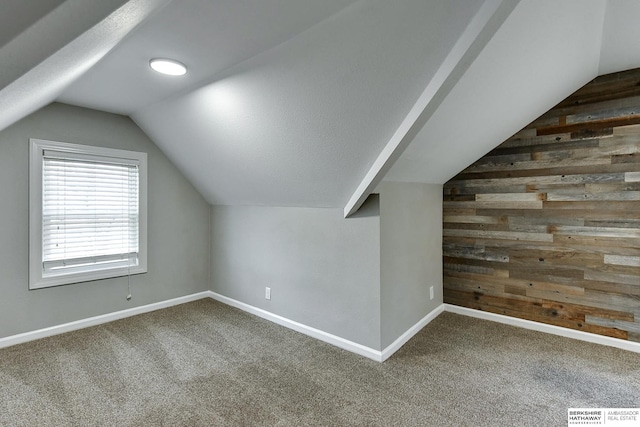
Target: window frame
<point>37,278</point>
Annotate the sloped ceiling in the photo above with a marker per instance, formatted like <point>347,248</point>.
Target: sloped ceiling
<point>289,102</point>
<point>308,103</point>
<point>535,60</point>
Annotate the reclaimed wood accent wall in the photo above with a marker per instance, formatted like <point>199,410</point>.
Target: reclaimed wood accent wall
<point>546,227</point>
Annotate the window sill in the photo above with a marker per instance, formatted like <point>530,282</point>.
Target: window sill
<point>68,279</point>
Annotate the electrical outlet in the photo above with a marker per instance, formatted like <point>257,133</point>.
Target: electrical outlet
<point>267,293</point>
<point>431,292</point>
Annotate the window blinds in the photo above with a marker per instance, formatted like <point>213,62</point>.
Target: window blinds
<point>90,212</point>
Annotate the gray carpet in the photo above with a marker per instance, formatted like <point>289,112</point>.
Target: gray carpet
<point>204,363</point>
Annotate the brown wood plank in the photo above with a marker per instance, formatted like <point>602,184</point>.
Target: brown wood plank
<point>593,126</point>
<point>536,311</point>
<point>546,227</point>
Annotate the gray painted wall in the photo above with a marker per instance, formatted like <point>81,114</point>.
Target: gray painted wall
<point>411,255</point>
<point>365,279</point>
<point>323,270</point>
<point>178,226</point>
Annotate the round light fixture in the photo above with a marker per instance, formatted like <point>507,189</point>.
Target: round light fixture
<point>168,66</point>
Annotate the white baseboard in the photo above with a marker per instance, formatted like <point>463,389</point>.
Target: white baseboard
<point>402,340</point>
<point>97,320</point>
<point>378,356</point>
<point>543,327</point>
<point>303,329</point>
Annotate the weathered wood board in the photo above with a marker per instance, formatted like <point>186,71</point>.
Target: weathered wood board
<point>546,227</point>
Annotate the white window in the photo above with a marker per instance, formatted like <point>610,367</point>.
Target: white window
<point>87,213</point>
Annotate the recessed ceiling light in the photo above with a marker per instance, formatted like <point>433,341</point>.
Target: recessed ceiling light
<point>168,66</point>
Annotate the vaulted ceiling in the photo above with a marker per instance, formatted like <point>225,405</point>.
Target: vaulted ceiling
<point>313,103</point>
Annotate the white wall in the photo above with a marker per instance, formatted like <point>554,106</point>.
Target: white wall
<point>178,224</point>
<point>411,255</point>
<point>365,279</point>
<point>323,270</point>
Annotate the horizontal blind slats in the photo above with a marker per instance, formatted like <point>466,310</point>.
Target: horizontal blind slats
<point>90,211</point>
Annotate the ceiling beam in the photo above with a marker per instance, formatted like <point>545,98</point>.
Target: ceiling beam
<point>478,33</point>
<point>41,61</point>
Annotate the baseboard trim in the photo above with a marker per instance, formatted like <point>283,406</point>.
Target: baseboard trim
<point>378,356</point>
<point>353,347</point>
<point>543,327</point>
<point>335,340</point>
<point>402,339</point>
<point>97,320</point>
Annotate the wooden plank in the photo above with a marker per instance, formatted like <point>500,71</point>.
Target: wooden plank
<point>612,244</point>
<point>586,211</point>
<point>616,93</point>
<point>625,158</point>
<point>633,261</point>
<point>612,187</point>
<point>596,205</point>
<point>474,252</point>
<point>632,101</point>
<point>617,223</point>
<point>478,226</point>
<point>468,212</point>
<point>528,228</point>
<point>525,285</point>
<point>611,288</point>
<point>587,133</point>
<point>614,196</point>
<point>625,270</point>
<point>522,188</point>
<point>474,219</point>
<point>546,226</point>
<point>628,130</point>
<point>490,265</point>
<point>468,268</point>
<point>504,235</point>
<point>535,311</point>
<point>515,221</point>
<point>492,205</point>
<point>569,230</point>
<point>605,148</point>
<point>460,198</point>
<point>550,143</point>
<point>594,299</point>
<point>563,257</point>
<point>550,274</point>
<point>603,114</point>
<point>545,164</point>
<point>463,284</point>
<point>611,323</point>
<point>561,179</point>
<point>505,158</point>
<point>509,197</point>
<point>613,278</point>
<point>591,126</point>
<point>600,167</point>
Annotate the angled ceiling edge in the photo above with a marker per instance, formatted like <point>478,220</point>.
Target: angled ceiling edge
<point>480,30</point>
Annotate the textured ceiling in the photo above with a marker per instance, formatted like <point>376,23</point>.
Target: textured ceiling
<point>210,36</point>
<point>287,102</point>
<point>296,102</point>
<point>53,50</point>
<point>298,125</point>
<point>534,61</point>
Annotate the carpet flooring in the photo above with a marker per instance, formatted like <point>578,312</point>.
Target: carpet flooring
<point>207,364</point>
